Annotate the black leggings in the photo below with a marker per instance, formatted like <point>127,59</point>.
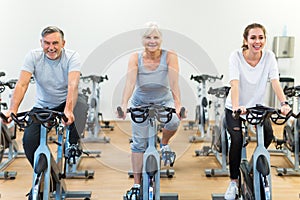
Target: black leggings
<point>234,127</point>
<point>31,137</point>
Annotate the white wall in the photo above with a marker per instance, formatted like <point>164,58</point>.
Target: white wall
<point>212,29</point>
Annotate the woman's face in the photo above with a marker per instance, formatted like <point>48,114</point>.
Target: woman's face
<point>152,42</point>
<point>256,40</point>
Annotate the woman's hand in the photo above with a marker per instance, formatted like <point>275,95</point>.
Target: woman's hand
<point>285,109</point>
<point>241,108</point>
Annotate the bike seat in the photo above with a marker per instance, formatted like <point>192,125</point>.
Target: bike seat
<point>151,165</point>
<point>41,164</point>
<point>262,165</point>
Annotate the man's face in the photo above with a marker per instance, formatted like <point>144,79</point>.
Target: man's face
<point>52,45</point>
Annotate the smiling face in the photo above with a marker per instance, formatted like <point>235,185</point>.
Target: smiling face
<point>52,45</point>
<point>152,41</point>
<point>255,40</point>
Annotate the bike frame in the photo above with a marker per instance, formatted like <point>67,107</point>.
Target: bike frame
<point>293,127</point>
<point>151,160</point>
<point>202,115</point>
<point>220,127</point>
<point>46,168</point>
<point>93,126</point>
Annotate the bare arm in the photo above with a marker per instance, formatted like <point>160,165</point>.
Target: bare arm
<point>234,84</point>
<point>73,81</point>
<point>19,93</point>
<point>278,90</point>
<point>173,73</point>
<point>280,95</point>
<point>130,80</point>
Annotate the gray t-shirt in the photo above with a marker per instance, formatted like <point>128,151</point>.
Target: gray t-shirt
<point>252,80</point>
<point>51,76</point>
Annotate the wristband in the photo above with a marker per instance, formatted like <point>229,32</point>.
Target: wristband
<point>284,103</point>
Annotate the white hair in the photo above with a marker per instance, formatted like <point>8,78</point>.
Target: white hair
<point>149,28</point>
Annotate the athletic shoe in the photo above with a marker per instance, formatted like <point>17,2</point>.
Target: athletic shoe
<point>133,193</point>
<point>232,191</point>
<point>167,155</point>
<point>73,152</point>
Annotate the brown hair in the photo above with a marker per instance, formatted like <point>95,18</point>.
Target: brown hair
<point>248,28</point>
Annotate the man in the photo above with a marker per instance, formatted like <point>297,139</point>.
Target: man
<point>56,71</point>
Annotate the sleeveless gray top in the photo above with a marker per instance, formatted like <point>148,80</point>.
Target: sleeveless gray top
<point>152,86</point>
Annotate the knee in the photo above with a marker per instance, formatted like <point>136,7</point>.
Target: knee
<point>138,147</point>
<point>173,124</point>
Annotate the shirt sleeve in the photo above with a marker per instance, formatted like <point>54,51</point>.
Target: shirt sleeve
<point>273,73</point>
<point>28,63</point>
<point>234,72</point>
<point>74,62</point>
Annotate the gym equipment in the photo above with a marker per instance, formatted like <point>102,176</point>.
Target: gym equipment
<point>219,144</point>
<point>255,178</point>
<point>8,145</point>
<point>289,145</point>
<point>76,151</point>
<point>48,176</point>
<point>150,188</point>
<point>74,159</point>
<point>93,126</point>
<point>202,116</point>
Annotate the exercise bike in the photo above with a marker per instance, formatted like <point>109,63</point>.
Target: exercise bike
<point>8,145</point>
<point>93,126</point>
<point>255,178</point>
<point>48,176</point>
<point>289,145</point>
<point>219,144</point>
<point>151,159</point>
<point>202,115</point>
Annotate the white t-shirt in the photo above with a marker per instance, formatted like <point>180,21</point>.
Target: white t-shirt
<point>252,80</point>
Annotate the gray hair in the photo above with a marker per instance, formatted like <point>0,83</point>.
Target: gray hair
<point>149,28</point>
<point>52,29</point>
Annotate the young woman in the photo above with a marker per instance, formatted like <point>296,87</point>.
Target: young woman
<point>250,68</point>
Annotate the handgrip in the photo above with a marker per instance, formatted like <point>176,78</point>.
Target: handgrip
<point>120,111</point>
<point>236,114</point>
<point>64,117</point>
<point>182,112</point>
<point>4,118</point>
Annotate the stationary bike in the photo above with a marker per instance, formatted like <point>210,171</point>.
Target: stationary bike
<point>255,178</point>
<point>48,177</point>
<point>219,144</point>
<point>93,127</point>
<point>289,145</point>
<point>8,145</point>
<point>151,158</point>
<point>202,116</point>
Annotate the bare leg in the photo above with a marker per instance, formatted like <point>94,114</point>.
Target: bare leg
<point>137,166</point>
<point>166,136</point>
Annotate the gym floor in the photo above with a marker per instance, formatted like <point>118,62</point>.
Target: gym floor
<point>111,181</point>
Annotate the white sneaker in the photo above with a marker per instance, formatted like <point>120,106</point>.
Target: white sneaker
<point>167,155</point>
<point>232,191</point>
<point>133,193</point>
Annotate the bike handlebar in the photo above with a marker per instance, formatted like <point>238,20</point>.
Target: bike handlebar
<point>220,92</point>
<point>140,114</point>
<point>205,77</point>
<point>259,113</point>
<point>94,78</point>
<point>10,84</point>
<point>47,118</point>
<point>292,91</point>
